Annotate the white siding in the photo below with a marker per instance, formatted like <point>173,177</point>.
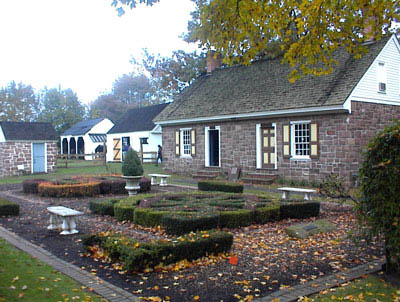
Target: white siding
<point>367,89</point>
<point>154,139</point>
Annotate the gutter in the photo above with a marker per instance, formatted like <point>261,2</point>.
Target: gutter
<point>264,114</point>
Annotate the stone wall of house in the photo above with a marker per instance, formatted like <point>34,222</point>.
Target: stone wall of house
<point>342,138</point>
<point>13,154</point>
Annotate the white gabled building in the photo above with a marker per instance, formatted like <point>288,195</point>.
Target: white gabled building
<point>86,137</point>
<point>135,125</point>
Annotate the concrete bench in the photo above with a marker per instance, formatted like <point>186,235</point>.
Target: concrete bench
<point>63,217</point>
<point>306,192</point>
<point>163,179</point>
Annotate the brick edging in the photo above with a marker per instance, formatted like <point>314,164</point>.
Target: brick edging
<point>116,294</point>
<point>101,287</point>
<point>317,285</point>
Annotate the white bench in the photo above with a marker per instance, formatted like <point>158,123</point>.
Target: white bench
<point>63,217</point>
<point>163,179</point>
<point>306,192</point>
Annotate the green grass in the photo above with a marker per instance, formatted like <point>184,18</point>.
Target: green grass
<point>372,289</point>
<point>23,278</point>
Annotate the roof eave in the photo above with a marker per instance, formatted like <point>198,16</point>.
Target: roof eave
<point>264,114</point>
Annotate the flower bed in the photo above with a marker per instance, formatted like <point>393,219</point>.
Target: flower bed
<point>137,256</point>
<point>186,212</point>
<point>80,186</point>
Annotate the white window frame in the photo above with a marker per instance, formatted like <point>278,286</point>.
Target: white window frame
<point>207,146</point>
<point>293,141</point>
<point>382,76</point>
<point>182,144</point>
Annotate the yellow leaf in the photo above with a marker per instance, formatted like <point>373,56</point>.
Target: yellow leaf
<point>196,298</point>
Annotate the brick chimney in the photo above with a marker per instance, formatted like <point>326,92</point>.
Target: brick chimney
<point>369,33</point>
<point>213,61</point>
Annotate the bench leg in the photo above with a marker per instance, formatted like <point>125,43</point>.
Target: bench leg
<point>69,226</point>
<point>163,182</point>
<point>307,196</point>
<point>153,180</point>
<point>54,222</point>
<point>285,195</point>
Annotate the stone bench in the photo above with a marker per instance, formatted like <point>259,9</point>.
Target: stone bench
<point>306,192</point>
<point>63,217</point>
<point>163,179</point>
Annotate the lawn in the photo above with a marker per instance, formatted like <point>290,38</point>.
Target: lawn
<point>373,288</point>
<point>28,279</point>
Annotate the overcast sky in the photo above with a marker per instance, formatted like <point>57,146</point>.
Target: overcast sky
<point>83,44</point>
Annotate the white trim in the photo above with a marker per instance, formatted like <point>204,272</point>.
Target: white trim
<point>293,155</point>
<point>2,136</point>
<point>45,157</point>
<point>181,142</point>
<point>32,158</point>
<point>207,146</point>
<point>285,112</point>
<point>258,147</point>
<point>259,143</point>
<point>371,100</point>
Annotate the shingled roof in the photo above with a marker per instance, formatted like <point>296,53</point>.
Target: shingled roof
<point>263,86</point>
<point>24,131</point>
<point>138,119</point>
<point>82,127</point>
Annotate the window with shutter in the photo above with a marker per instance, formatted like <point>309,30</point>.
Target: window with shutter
<point>303,140</point>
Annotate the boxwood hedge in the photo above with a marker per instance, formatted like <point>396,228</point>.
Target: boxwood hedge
<point>222,186</point>
<point>8,208</point>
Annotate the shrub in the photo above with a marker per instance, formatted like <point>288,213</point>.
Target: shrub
<point>132,165</point>
<point>31,186</point>
<point>299,209</point>
<point>145,185</point>
<point>136,256</point>
<point>379,207</point>
<point>103,207</point>
<point>123,211</point>
<point>235,219</point>
<point>8,208</point>
<point>112,186</point>
<point>147,217</point>
<point>55,189</point>
<point>182,223</point>
<point>222,186</point>
<point>266,214</point>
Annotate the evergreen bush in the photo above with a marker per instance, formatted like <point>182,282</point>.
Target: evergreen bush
<point>222,186</point>
<point>8,208</point>
<point>379,207</point>
<point>131,165</point>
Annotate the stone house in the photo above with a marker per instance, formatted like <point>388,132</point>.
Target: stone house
<point>86,137</point>
<point>27,148</point>
<point>135,129</point>
<point>252,117</point>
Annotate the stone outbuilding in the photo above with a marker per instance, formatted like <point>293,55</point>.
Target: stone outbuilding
<point>252,117</point>
<point>27,148</point>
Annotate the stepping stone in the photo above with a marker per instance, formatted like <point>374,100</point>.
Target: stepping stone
<point>304,230</point>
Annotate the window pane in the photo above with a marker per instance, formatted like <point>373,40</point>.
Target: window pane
<point>302,139</point>
<point>186,142</point>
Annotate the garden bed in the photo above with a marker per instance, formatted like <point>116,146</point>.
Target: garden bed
<point>268,259</point>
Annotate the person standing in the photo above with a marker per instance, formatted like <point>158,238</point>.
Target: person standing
<point>159,155</point>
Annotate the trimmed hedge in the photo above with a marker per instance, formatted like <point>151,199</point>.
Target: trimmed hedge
<point>299,209</point>
<point>31,186</point>
<point>266,214</point>
<point>103,207</point>
<point>235,219</point>
<point>48,189</point>
<point>8,208</point>
<point>182,223</point>
<point>222,186</point>
<point>112,186</point>
<point>136,256</point>
<point>124,209</point>
<point>147,217</point>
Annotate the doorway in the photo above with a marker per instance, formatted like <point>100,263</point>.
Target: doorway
<point>212,147</point>
<point>38,158</point>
